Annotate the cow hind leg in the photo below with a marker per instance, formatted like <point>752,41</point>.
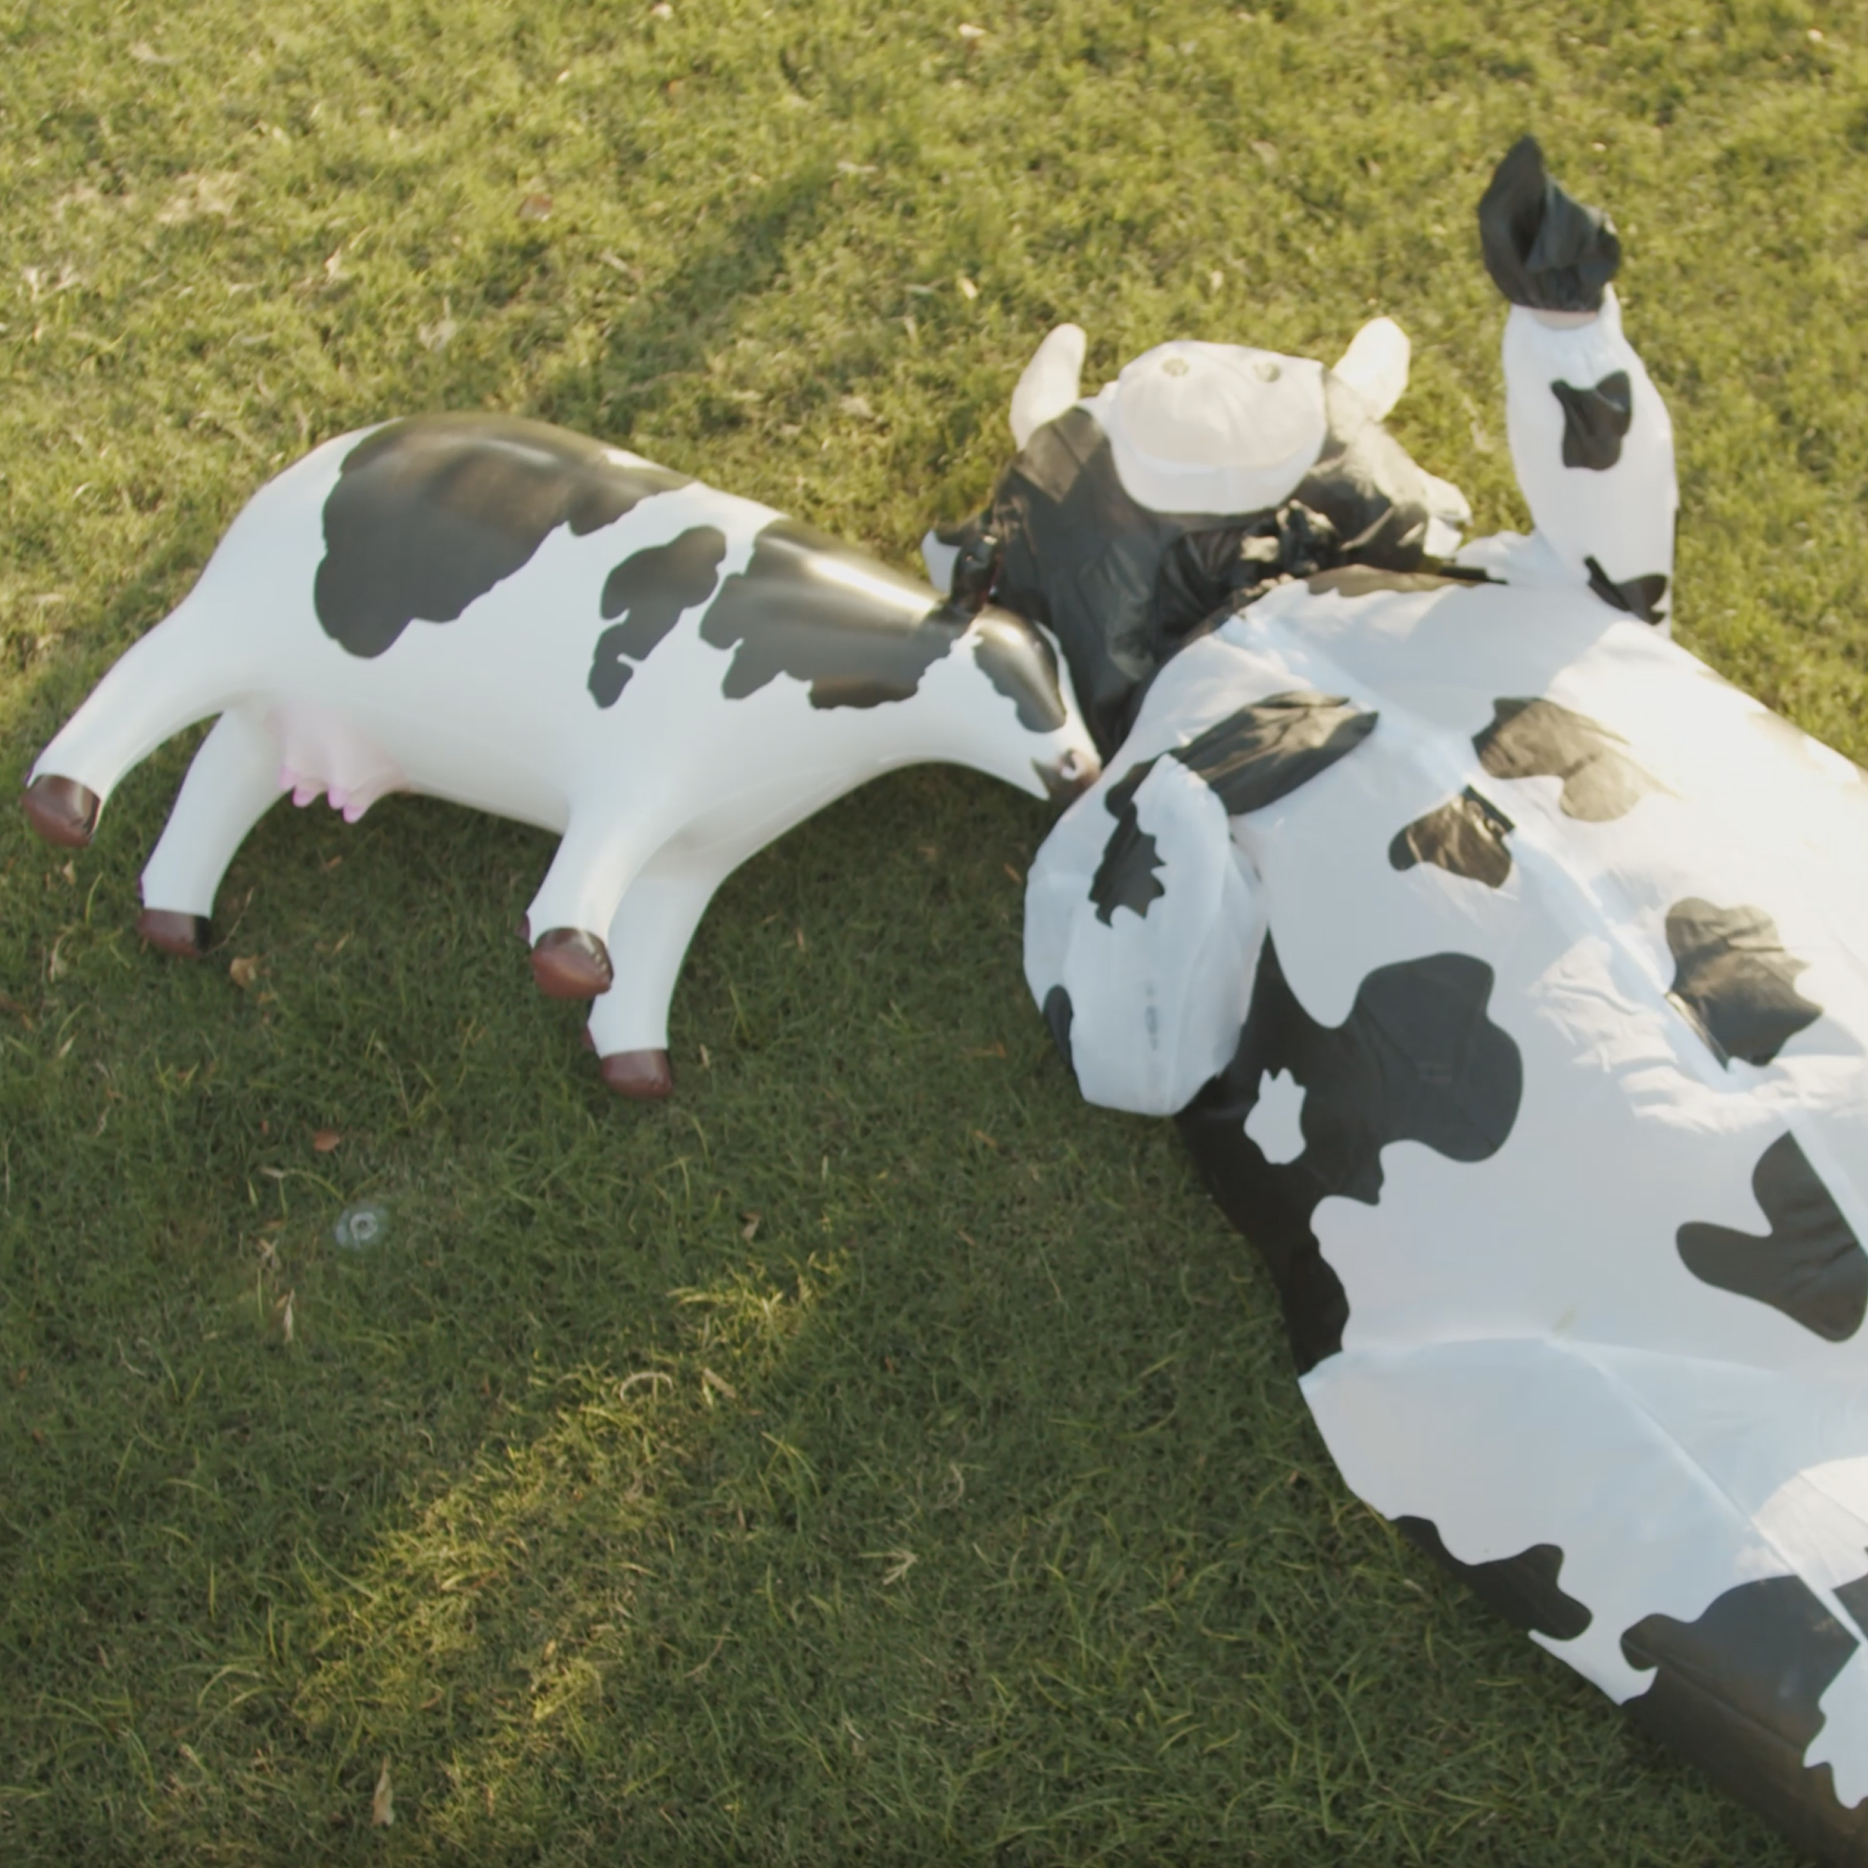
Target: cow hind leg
<point>649,934</point>
<point>233,779</point>
<point>167,681</point>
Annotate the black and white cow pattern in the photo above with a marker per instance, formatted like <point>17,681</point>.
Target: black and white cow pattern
<point>499,612</point>
<point>1528,1042</point>
<point>1544,1094</point>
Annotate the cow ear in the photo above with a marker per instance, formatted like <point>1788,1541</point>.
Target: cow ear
<point>1375,365</point>
<point>1052,381</point>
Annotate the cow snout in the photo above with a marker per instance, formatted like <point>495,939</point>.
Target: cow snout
<point>1069,776</point>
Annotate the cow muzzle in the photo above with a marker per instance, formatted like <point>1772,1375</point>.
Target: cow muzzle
<point>1069,776</point>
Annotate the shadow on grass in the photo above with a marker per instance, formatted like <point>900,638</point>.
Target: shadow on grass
<point>871,1455</point>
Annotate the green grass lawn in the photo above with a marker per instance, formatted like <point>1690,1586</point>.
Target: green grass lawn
<point>873,1455</point>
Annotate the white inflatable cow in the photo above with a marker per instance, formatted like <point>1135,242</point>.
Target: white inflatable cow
<point>1508,972</point>
<point>514,617</point>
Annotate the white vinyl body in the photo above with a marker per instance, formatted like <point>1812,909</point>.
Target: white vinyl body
<point>1508,971</point>
<point>658,782</point>
<point>1529,1356</point>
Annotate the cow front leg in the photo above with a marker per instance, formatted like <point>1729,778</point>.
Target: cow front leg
<point>596,862</point>
<point>650,933</point>
<point>233,779</point>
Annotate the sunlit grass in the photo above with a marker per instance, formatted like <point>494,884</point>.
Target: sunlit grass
<point>873,1455</point>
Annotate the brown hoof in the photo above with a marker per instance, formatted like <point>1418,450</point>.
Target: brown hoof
<point>184,935</point>
<point>570,963</point>
<point>61,810</point>
<point>643,1075</point>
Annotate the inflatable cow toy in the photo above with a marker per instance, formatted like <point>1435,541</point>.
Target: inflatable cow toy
<point>514,617</point>
<point>1507,971</point>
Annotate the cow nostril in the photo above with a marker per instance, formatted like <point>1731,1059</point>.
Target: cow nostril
<point>1070,776</point>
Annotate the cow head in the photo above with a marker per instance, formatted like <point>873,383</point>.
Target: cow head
<point>1202,475</point>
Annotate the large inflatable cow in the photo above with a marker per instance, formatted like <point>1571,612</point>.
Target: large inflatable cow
<point>514,617</point>
<point>1508,974</point>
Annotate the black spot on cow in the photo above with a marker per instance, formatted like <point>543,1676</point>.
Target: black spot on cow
<point>1363,580</point>
<point>1264,752</point>
<point>1372,492</point>
<point>1810,1265</point>
<point>1738,1693</point>
<point>1854,1597</point>
<point>1059,1015</point>
<point>1022,666</point>
<point>1465,836</point>
<point>1734,981</point>
<point>1540,739</point>
<point>1595,420</point>
<point>1418,1059</point>
<point>1124,587</point>
<point>1080,555</point>
<point>1643,598</point>
<point>1248,760</point>
<point>1125,878</point>
<point>1523,1588</point>
<point>649,590</point>
<point>811,607</point>
<point>428,514</point>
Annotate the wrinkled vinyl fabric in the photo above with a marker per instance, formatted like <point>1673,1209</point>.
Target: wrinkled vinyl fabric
<point>1510,975</point>
<point>1123,585</point>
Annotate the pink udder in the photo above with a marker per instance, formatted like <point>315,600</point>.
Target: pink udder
<point>325,754</point>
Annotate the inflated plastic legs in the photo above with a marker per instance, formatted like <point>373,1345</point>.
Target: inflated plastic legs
<point>510,616</point>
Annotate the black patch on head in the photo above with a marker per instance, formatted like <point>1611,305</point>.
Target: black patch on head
<point>649,590</point>
<point>1367,485</point>
<point>1465,836</point>
<point>1124,587</point>
<point>1643,598</point>
<point>1125,878</point>
<point>1523,1588</point>
<point>811,607</point>
<point>1734,981</point>
<point>1539,739</point>
<point>1059,1014</point>
<point>1418,1059</point>
<point>1594,421</point>
<point>1810,1265</point>
<point>1248,760</point>
<point>1020,664</point>
<point>1264,752</point>
<point>430,513</point>
<point>1081,555</point>
<point>1542,247</point>
<point>1738,1693</point>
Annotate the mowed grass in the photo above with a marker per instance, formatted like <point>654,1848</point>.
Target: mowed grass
<point>874,1454</point>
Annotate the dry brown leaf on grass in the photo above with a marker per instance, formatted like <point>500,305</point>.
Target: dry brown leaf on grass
<point>287,1329</point>
<point>244,970</point>
<point>325,1140</point>
<point>383,1800</point>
